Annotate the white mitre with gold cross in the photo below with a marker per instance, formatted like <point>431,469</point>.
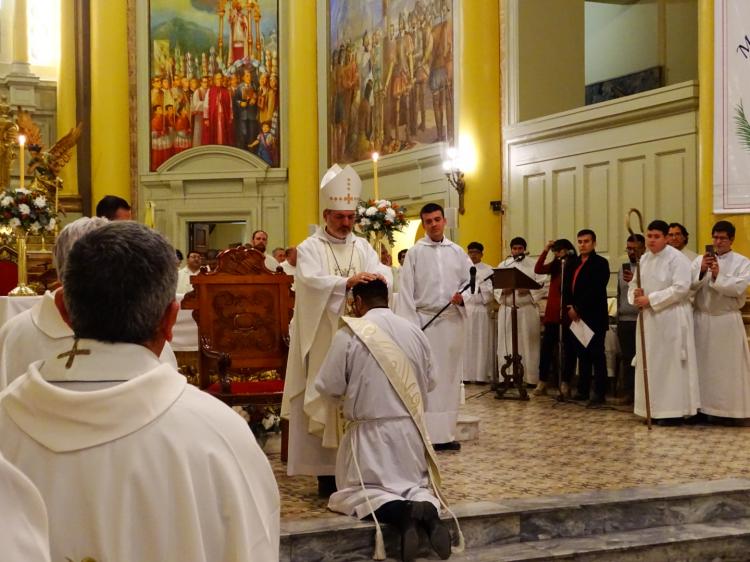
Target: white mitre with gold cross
<point>340,189</point>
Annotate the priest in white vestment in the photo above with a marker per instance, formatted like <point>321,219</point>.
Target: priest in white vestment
<point>668,321</point>
<point>132,462</point>
<point>369,476</point>
<point>24,534</point>
<point>40,332</point>
<point>259,241</point>
<point>329,264</point>
<point>721,282</point>
<point>529,322</point>
<point>434,272</point>
<point>479,341</point>
<point>192,267</point>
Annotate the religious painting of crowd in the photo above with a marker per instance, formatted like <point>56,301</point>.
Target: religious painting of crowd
<point>214,73</point>
<point>390,76</point>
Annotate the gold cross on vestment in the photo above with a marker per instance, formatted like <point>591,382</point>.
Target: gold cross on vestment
<point>72,354</point>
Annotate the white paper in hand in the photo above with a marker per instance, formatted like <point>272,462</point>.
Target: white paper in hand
<point>582,332</point>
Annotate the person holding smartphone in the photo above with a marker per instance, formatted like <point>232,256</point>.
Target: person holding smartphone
<point>720,279</point>
<point>627,315</point>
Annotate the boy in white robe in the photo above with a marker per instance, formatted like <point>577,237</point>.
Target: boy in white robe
<point>40,332</point>
<point>479,341</point>
<point>529,322</point>
<point>434,272</point>
<point>131,461</point>
<point>720,281</point>
<point>24,534</point>
<point>668,321</point>
<point>369,476</point>
<point>329,264</point>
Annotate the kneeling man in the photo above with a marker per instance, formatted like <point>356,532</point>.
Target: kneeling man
<point>385,462</point>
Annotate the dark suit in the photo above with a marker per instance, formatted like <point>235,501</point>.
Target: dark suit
<point>588,296</point>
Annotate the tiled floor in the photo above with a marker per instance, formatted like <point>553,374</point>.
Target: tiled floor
<point>537,448</point>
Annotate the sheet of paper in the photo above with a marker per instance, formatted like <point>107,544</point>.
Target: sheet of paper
<point>581,331</point>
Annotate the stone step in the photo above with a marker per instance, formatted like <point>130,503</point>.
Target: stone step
<point>718,541</point>
<point>525,521</point>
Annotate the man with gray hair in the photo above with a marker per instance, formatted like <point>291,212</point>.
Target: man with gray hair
<point>131,461</point>
<point>41,332</point>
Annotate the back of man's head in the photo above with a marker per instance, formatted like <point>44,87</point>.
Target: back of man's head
<point>109,205</point>
<point>373,293</point>
<point>119,281</point>
<point>69,236</point>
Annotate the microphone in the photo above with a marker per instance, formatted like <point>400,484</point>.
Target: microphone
<point>472,278</point>
<point>519,257</point>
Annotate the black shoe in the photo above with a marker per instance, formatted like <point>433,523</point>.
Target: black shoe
<point>580,397</point>
<point>452,446</point>
<point>595,401</point>
<point>668,422</point>
<point>409,542</point>
<point>437,532</point>
<point>326,486</point>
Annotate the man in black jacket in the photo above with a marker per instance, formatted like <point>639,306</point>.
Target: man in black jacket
<point>585,297</point>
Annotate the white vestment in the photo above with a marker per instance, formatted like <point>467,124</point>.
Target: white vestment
<point>689,254</point>
<point>529,322</point>
<point>271,263</point>
<point>288,268</point>
<point>720,341</point>
<point>670,348</point>
<point>479,343</point>
<point>41,333</point>
<point>24,533</point>
<point>381,424</point>
<point>183,280</point>
<point>324,263</point>
<point>432,273</point>
<point>135,464</point>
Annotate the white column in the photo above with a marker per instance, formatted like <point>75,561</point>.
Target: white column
<point>20,38</point>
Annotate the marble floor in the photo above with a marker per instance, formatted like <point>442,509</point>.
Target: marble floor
<point>541,447</point>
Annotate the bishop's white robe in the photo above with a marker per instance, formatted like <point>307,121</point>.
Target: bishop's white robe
<point>324,263</point>
<point>670,347</point>
<point>24,533</point>
<point>479,340</point>
<point>39,333</point>
<point>135,464</point>
<point>720,341</point>
<point>183,280</point>
<point>529,322</point>
<point>381,433</point>
<point>432,273</point>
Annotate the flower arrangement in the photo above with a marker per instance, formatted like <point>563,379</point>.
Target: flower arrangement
<point>380,217</point>
<point>263,421</point>
<point>26,209</point>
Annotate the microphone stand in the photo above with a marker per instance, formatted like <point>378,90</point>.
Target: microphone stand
<point>560,332</point>
<point>446,306</point>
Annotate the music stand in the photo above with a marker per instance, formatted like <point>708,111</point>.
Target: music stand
<point>513,279</point>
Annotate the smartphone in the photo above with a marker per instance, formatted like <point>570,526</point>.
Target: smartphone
<point>710,250</point>
<point>627,267</point>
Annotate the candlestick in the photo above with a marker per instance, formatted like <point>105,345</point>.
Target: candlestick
<point>21,155</point>
<point>375,158</point>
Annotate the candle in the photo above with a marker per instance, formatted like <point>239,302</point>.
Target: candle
<point>21,155</point>
<point>375,157</point>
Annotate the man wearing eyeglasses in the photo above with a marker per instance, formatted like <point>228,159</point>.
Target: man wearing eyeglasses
<point>721,278</point>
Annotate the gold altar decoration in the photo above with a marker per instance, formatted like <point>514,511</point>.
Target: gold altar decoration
<point>45,166</point>
<point>8,146</point>
<point>22,289</point>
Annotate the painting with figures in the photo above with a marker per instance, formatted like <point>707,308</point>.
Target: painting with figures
<point>390,76</point>
<point>214,69</point>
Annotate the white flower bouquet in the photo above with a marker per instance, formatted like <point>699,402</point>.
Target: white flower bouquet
<point>26,209</point>
<point>380,218</point>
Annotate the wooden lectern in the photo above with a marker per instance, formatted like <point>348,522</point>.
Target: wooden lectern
<point>513,279</point>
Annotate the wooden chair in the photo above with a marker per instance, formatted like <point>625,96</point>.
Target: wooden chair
<point>243,312</point>
<point>8,269</point>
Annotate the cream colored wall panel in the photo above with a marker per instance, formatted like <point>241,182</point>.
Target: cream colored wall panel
<point>534,204</point>
<point>670,171</point>
<point>596,212</point>
<point>561,215</point>
<point>631,180</point>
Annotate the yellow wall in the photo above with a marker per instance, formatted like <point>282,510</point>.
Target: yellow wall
<point>706,217</point>
<point>110,134</point>
<point>479,123</point>
<point>303,119</point>
<point>66,92</point>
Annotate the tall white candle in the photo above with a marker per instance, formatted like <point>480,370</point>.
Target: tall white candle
<point>21,156</point>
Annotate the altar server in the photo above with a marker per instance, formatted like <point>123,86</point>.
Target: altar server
<point>132,462</point>
<point>668,321</point>
<point>721,279</point>
<point>479,340</point>
<point>434,271</point>
<point>329,264</point>
<point>529,323</point>
<point>40,332</point>
<point>380,365</point>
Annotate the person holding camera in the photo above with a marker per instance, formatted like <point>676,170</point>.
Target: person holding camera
<point>720,279</point>
<point>627,315</point>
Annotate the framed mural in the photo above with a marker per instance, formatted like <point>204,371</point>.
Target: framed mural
<point>389,76</point>
<point>214,71</point>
